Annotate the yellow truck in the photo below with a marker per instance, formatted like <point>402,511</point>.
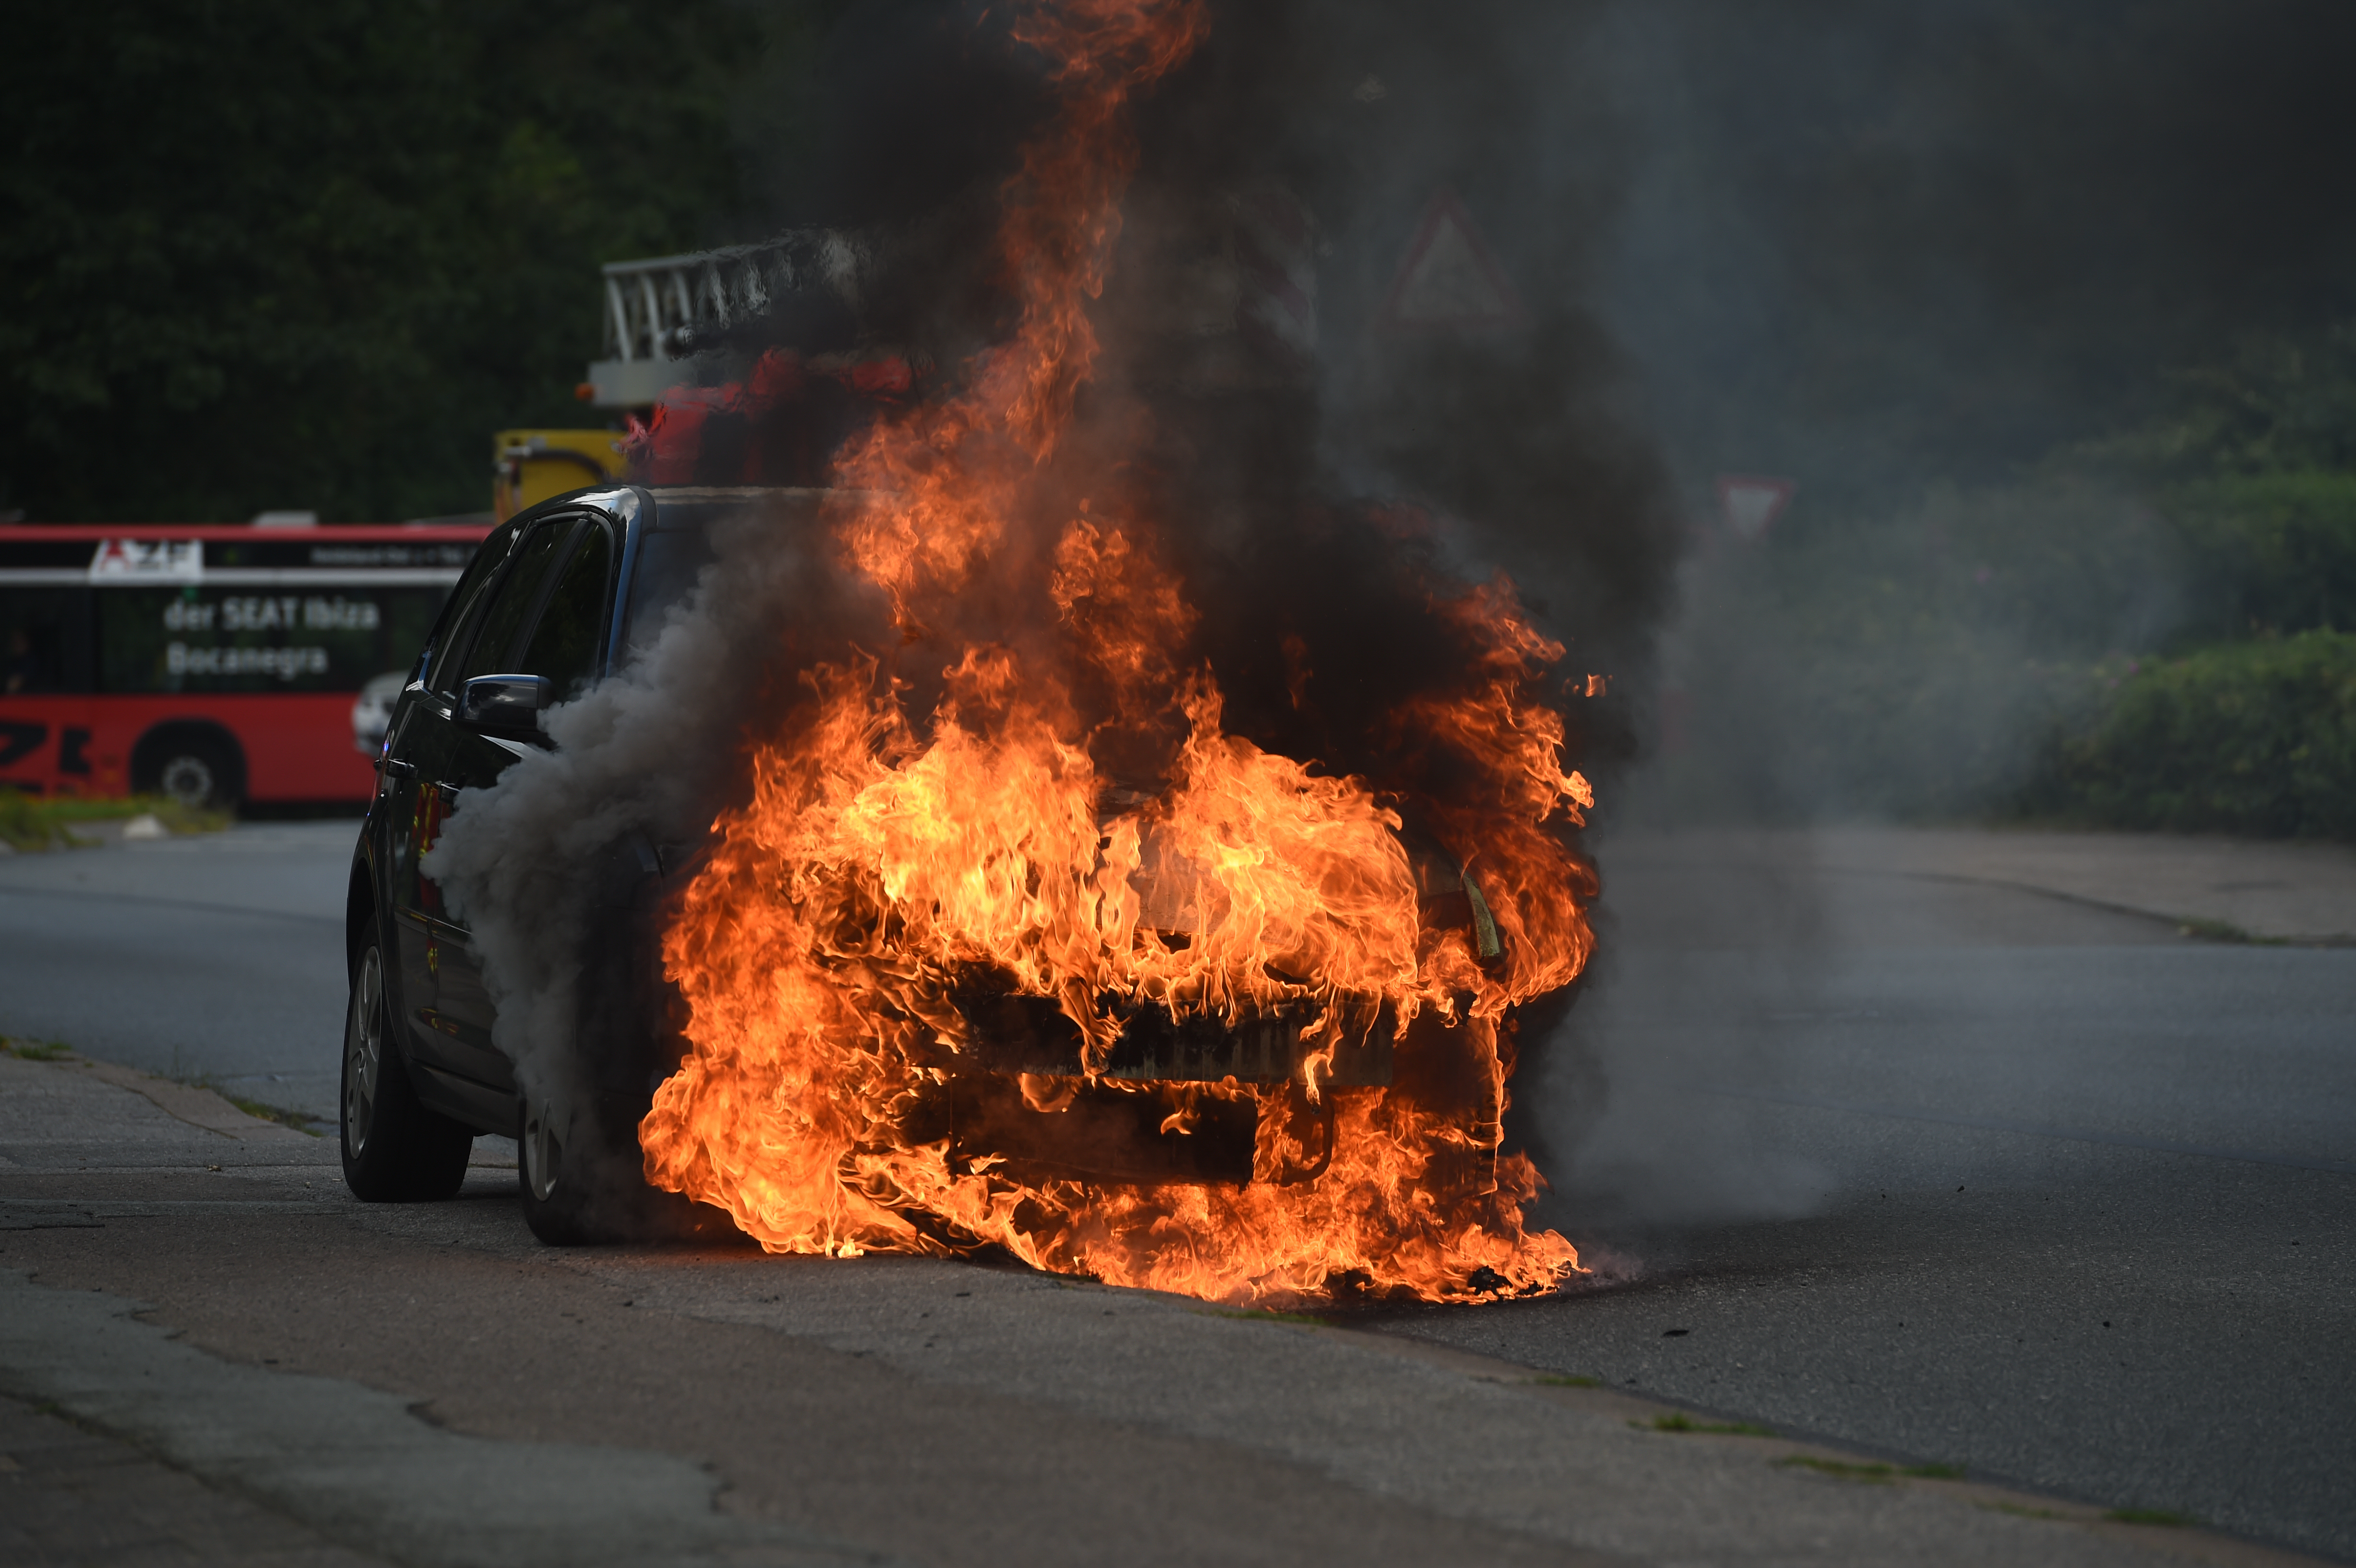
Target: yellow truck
<point>531,465</point>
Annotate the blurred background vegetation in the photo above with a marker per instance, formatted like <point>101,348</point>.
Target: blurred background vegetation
<point>2036,302</point>
<point>2048,311</point>
<point>2155,629</point>
<point>311,253</point>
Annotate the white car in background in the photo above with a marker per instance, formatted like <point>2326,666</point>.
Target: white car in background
<point>372,710</point>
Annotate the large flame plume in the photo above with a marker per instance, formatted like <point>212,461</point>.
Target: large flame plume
<point>886,861</point>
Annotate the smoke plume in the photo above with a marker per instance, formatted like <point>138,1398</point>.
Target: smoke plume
<point>1353,458</point>
<point>643,758</point>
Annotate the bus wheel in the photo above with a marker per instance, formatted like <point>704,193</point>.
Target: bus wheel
<point>395,1150</point>
<point>194,767</point>
<point>191,779</point>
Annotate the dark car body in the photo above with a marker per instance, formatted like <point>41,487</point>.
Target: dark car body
<point>541,607</point>
<point>556,600</point>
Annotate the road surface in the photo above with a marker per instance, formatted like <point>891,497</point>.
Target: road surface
<point>217,956</point>
<point>1966,1174</point>
<point>1924,1169</point>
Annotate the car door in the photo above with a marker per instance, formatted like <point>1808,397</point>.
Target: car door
<point>444,1014</point>
<point>547,619</point>
<point>411,803</point>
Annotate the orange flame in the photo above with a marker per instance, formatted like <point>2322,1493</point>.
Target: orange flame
<point>883,864</point>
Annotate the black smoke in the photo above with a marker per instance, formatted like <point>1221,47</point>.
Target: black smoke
<point>1511,448</point>
<point>1326,481</point>
<point>1876,244</point>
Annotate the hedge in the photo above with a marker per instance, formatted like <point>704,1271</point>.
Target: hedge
<point>2255,737</point>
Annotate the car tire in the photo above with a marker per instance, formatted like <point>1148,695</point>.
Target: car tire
<point>586,1186</point>
<point>552,1195</point>
<point>395,1150</point>
<point>575,1189</point>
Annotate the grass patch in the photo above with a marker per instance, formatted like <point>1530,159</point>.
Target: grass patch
<point>285,1118</point>
<point>1872,1472</point>
<point>2017,1511</point>
<point>2160,1515</point>
<point>1841,1469</point>
<point>1250,1315</point>
<point>33,824</point>
<point>37,1050</point>
<point>1552,1379</point>
<point>2201,929</point>
<point>1680,1422</point>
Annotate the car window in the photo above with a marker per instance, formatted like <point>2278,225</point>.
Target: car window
<point>464,602</point>
<point>669,559</point>
<point>676,544</point>
<point>512,600</point>
<point>564,645</point>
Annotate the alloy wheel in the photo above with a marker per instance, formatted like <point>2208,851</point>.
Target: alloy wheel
<point>364,1051</point>
<point>541,1152</point>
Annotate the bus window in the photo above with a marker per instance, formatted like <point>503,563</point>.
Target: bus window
<point>563,646</point>
<point>125,650</point>
<point>194,638</point>
<point>44,641</point>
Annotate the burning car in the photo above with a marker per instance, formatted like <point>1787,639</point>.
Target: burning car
<point>1157,1093</point>
<point>955,798</point>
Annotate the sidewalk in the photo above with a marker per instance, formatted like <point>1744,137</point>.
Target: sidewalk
<point>626,1406</point>
<point>2270,889</point>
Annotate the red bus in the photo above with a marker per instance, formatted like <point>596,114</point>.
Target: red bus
<point>211,664</point>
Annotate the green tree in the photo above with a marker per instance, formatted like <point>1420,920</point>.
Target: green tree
<point>312,254</point>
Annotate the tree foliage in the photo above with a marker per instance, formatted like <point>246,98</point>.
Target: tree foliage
<point>2255,737</point>
<point>312,254</point>
<point>2147,631</point>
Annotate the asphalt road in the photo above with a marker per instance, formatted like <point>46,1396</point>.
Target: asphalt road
<point>216,957</point>
<point>1948,1173</point>
<point>345,1383</point>
<point>1966,1174</point>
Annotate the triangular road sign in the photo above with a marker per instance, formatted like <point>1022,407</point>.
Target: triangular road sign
<point>1751,502</point>
<point>1449,281</point>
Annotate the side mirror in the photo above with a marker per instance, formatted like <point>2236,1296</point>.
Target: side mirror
<point>504,701</point>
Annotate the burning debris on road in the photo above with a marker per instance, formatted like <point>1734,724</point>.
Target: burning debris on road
<point>1146,870</point>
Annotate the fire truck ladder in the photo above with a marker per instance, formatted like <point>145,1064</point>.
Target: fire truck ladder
<point>657,308</point>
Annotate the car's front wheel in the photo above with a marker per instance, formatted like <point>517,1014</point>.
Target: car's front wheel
<point>583,1183</point>
<point>395,1150</point>
<point>575,1192</point>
